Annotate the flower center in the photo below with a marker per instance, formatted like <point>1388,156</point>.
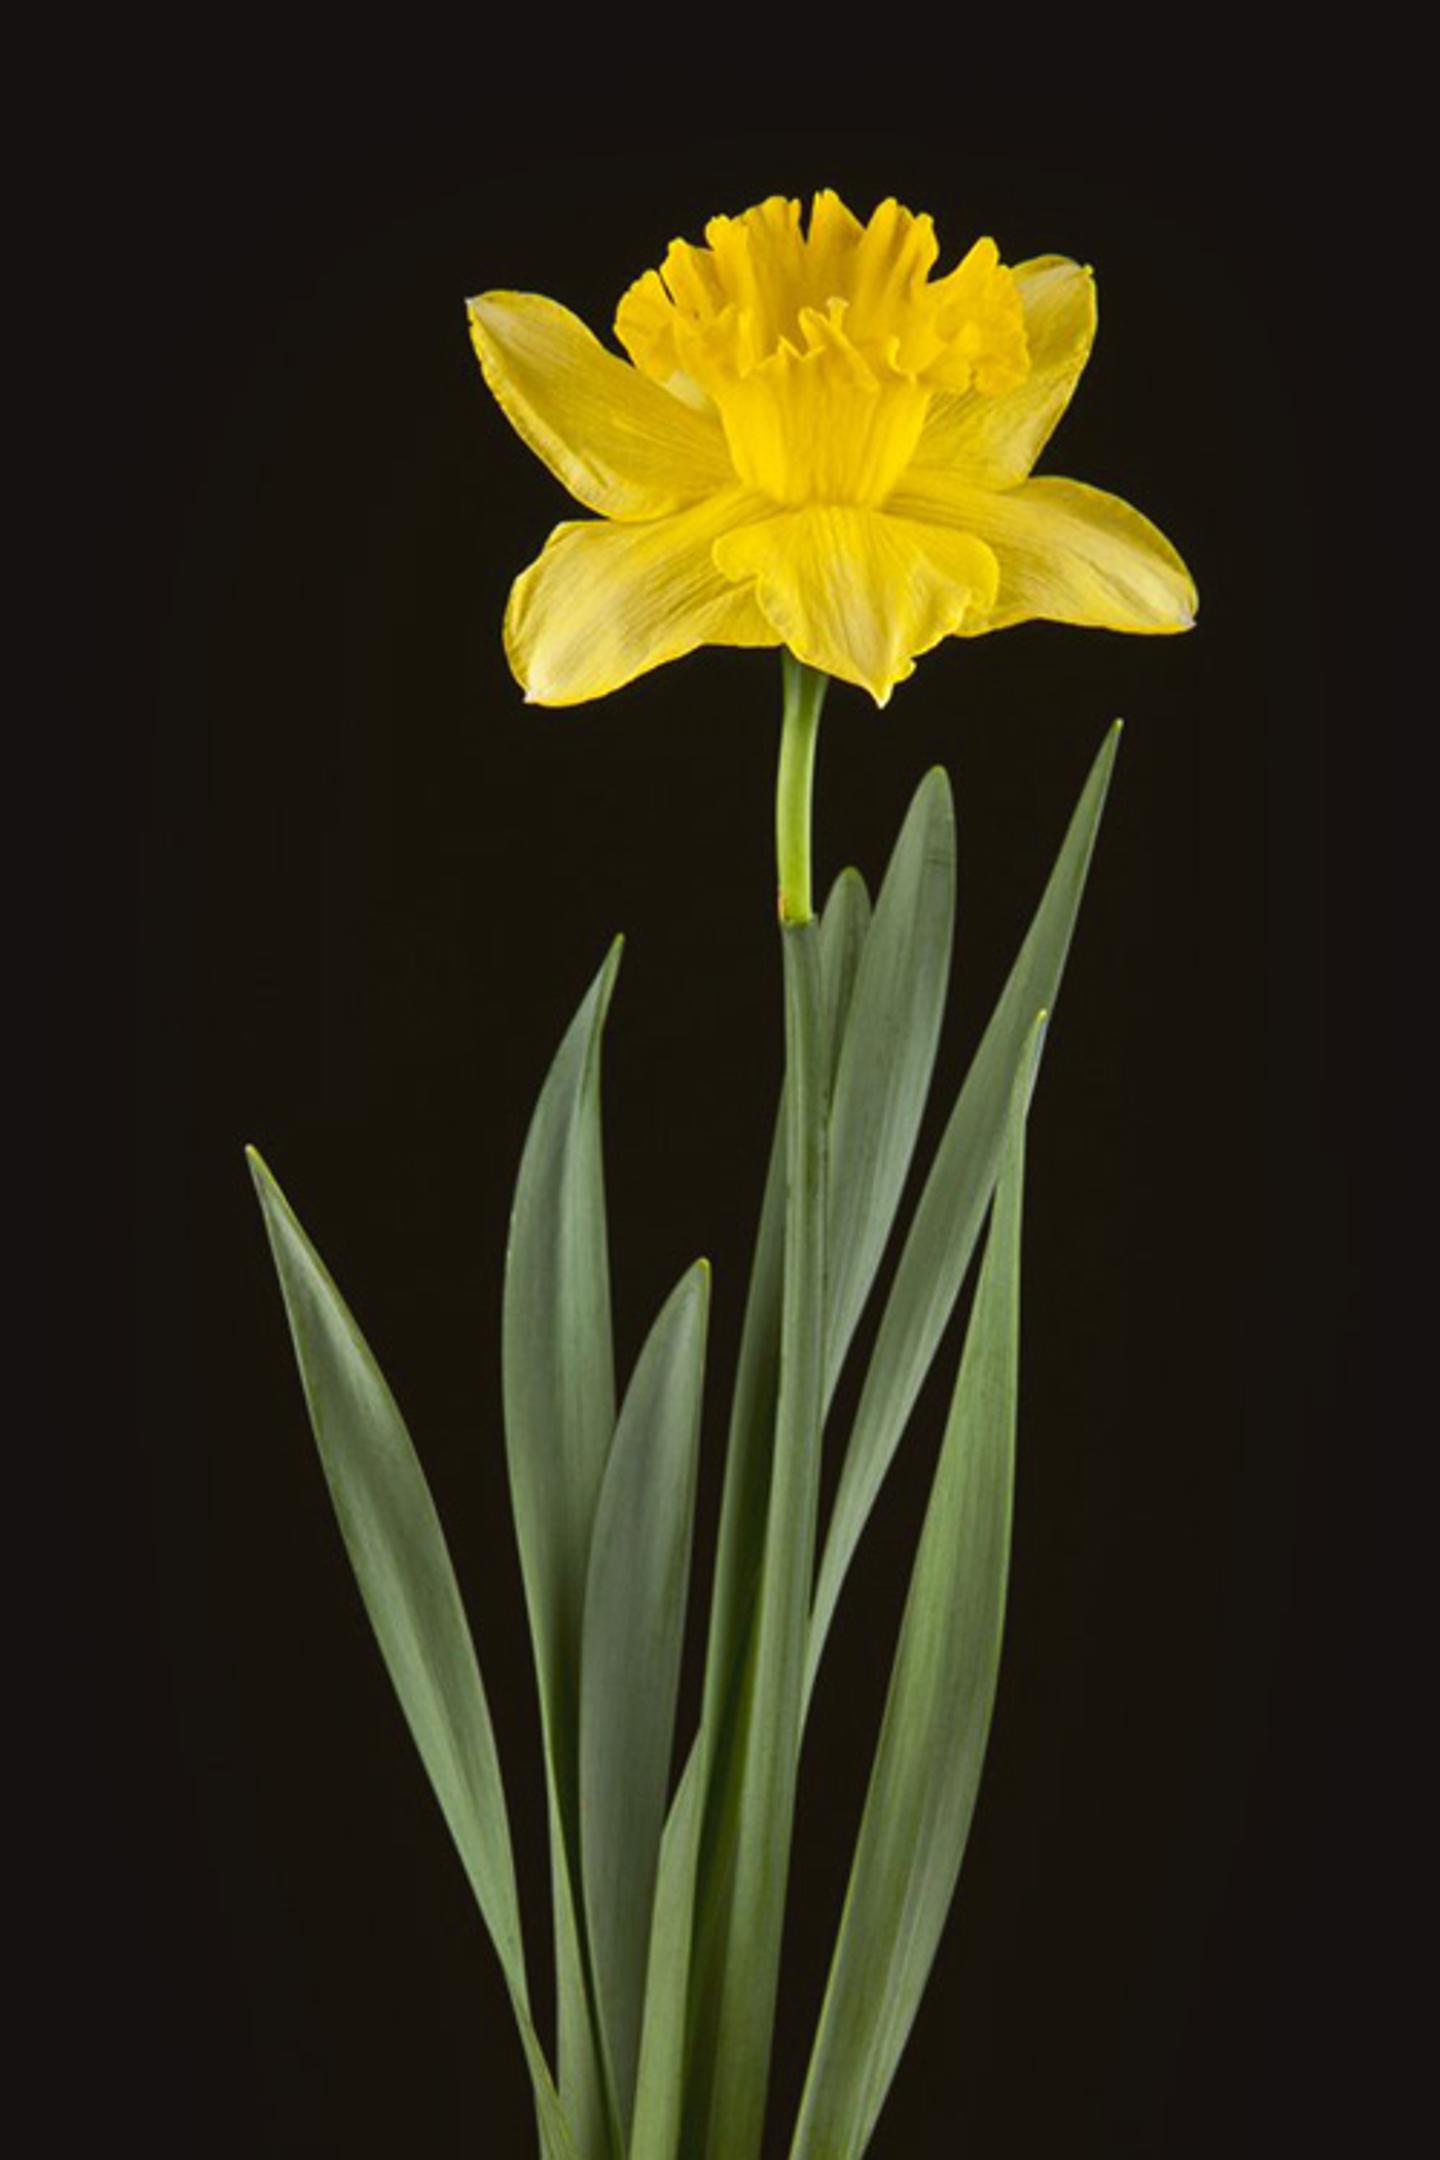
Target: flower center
<point>821,349</point>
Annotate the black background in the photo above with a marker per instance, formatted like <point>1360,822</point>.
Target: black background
<point>358,891</point>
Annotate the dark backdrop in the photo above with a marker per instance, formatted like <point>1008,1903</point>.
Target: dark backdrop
<point>360,889</point>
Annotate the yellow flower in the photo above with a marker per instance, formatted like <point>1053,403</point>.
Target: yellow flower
<point>817,444</point>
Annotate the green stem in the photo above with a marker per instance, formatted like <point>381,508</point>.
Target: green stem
<point>804,695</point>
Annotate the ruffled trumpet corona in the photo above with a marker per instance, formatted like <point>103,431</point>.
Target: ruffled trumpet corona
<point>814,443</point>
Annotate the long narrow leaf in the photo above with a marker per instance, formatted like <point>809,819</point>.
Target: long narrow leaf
<point>843,930</point>
<point>630,1660</point>
<point>882,1073</point>
<point>736,2058</point>
<point>952,1207</point>
<point>559,1385</point>
<point>587,2101</point>
<point>937,1716</point>
<point>844,927</point>
<point>659,2087</point>
<point>397,1549</point>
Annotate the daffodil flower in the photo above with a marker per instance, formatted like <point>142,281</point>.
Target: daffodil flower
<point>816,444</point>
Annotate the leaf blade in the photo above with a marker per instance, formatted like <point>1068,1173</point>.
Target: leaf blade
<point>844,927</point>
<point>928,1761</point>
<point>843,930</point>
<point>660,2081</point>
<point>951,1209</point>
<point>886,1057</point>
<point>558,1379</point>
<point>732,2051</point>
<point>630,1660</point>
<point>557,1358</point>
<point>403,1570</point>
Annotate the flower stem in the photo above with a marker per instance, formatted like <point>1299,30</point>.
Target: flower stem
<point>805,689</point>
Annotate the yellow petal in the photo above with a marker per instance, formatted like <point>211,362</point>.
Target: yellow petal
<point>619,442</point>
<point>1067,553</point>
<point>858,593</point>
<point>994,441</point>
<point>604,603</point>
<point>980,322</point>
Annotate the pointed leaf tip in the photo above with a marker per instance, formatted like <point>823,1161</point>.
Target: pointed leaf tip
<point>937,783</point>
<point>267,1185</point>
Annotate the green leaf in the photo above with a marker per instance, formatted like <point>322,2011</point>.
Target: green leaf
<point>660,2085</point>
<point>556,1347</point>
<point>751,1439</point>
<point>937,1715</point>
<point>559,1386</point>
<point>587,2101</point>
<point>397,1549</point>
<point>630,1660</point>
<point>886,1057</point>
<point>732,2053</point>
<point>844,928</point>
<point>749,1454</point>
<point>952,1207</point>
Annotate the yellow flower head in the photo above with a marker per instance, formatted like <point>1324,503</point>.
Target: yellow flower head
<point>815,443</point>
